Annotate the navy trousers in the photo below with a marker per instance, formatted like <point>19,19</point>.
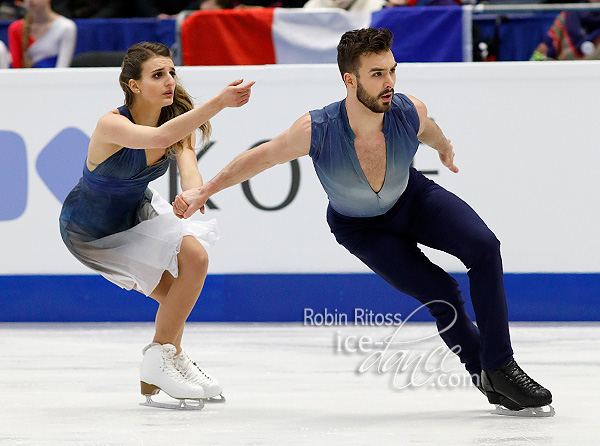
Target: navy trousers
<point>428,214</point>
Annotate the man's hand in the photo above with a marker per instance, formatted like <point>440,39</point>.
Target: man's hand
<point>447,156</point>
<point>430,133</point>
<point>190,201</point>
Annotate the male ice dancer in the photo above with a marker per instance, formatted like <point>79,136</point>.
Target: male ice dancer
<point>380,208</point>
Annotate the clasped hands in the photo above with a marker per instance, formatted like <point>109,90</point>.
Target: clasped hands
<point>189,201</point>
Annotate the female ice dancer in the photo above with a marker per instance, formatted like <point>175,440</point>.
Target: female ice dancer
<point>114,224</point>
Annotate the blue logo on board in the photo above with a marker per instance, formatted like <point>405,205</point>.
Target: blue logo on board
<point>59,165</point>
<point>13,175</point>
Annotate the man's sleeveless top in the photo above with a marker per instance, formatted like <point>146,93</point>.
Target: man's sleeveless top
<point>337,165</point>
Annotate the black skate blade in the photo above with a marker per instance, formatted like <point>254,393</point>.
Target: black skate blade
<point>529,412</point>
<point>181,405</point>
<point>217,399</point>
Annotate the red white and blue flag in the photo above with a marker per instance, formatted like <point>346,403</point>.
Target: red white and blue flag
<point>280,35</point>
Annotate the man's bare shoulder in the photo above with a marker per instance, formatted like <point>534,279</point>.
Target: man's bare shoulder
<point>304,121</point>
<point>297,137</point>
<point>301,129</point>
<point>419,105</point>
<point>421,111</point>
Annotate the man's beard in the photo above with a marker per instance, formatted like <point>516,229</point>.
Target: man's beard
<point>371,102</point>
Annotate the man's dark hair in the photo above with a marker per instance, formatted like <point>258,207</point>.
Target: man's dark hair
<point>354,44</point>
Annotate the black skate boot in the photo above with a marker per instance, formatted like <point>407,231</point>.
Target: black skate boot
<point>511,387</point>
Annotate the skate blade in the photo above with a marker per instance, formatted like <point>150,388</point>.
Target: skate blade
<point>182,405</point>
<point>217,399</point>
<point>531,412</point>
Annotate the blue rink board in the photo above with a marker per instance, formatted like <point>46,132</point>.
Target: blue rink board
<point>283,298</point>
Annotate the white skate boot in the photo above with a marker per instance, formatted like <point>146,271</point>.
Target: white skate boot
<point>158,372</point>
<point>194,374</point>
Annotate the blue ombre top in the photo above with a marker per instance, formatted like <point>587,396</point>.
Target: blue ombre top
<point>337,166</point>
<point>107,200</point>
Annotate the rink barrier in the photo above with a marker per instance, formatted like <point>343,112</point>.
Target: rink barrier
<point>283,298</point>
<point>271,260</point>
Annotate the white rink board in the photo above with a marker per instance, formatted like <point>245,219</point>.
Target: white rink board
<point>525,135</point>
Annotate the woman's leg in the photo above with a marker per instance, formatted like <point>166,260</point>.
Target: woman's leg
<point>184,364</point>
<point>160,293</point>
<point>177,297</point>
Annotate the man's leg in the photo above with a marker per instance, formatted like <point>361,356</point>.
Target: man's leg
<point>402,264</point>
<point>443,221</point>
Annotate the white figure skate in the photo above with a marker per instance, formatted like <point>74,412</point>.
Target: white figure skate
<point>194,374</point>
<point>158,372</point>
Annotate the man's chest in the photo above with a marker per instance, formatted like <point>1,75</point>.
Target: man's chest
<point>371,153</point>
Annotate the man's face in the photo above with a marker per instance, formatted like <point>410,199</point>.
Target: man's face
<point>375,81</point>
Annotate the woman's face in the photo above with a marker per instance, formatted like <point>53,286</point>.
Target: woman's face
<point>36,4</point>
<point>156,85</point>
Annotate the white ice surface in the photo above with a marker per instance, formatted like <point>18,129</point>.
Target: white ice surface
<point>78,384</point>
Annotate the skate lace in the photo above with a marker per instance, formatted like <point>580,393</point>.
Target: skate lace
<point>168,366</point>
<point>521,378</point>
<point>190,369</point>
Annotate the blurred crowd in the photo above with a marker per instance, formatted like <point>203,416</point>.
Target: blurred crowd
<point>43,33</point>
<point>82,9</point>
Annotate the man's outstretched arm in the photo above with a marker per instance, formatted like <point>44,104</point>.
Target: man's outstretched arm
<point>430,134</point>
<point>291,144</point>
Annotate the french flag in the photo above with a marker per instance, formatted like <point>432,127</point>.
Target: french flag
<point>295,36</point>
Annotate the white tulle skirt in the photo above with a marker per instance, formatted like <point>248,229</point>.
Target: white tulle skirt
<point>138,257</point>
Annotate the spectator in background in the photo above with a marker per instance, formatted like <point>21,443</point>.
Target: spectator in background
<point>89,9</point>
<point>242,4</point>
<point>348,5</point>
<point>43,39</point>
<point>4,56</point>
<point>375,5</point>
<point>394,3</point>
<point>269,4</point>
<point>574,35</point>
<point>163,9</point>
<point>207,5</point>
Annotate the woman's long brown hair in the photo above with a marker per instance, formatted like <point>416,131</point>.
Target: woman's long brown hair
<point>182,102</point>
